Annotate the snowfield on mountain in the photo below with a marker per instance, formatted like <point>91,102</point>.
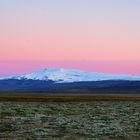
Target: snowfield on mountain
<point>64,75</point>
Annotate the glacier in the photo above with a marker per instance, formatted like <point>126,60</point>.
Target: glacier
<point>61,75</point>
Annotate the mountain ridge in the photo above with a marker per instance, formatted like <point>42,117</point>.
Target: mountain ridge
<point>61,75</point>
<point>71,81</point>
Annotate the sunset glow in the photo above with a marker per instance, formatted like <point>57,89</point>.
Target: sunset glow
<point>93,35</point>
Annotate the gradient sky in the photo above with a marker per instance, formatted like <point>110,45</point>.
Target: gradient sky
<point>94,35</point>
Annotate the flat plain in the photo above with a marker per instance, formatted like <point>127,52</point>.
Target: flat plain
<point>78,120</point>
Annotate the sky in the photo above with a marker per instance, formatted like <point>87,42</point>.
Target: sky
<point>93,35</point>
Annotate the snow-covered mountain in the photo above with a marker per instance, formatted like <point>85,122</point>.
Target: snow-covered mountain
<point>60,75</point>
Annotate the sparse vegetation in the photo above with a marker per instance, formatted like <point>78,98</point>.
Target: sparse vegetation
<point>96,120</point>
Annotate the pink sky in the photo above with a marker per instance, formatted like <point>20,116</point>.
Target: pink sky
<point>96,42</point>
<point>52,34</point>
<point>18,67</point>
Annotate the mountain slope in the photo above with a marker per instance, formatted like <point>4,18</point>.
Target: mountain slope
<point>73,81</point>
<point>68,76</point>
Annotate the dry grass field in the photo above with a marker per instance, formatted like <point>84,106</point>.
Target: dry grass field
<point>70,97</point>
<point>72,117</point>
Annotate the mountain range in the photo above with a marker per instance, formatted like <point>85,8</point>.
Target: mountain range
<point>64,80</point>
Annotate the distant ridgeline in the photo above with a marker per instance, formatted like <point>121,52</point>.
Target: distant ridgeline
<point>107,86</point>
<point>73,81</point>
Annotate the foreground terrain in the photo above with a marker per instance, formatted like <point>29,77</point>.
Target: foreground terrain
<point>95,120</point>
